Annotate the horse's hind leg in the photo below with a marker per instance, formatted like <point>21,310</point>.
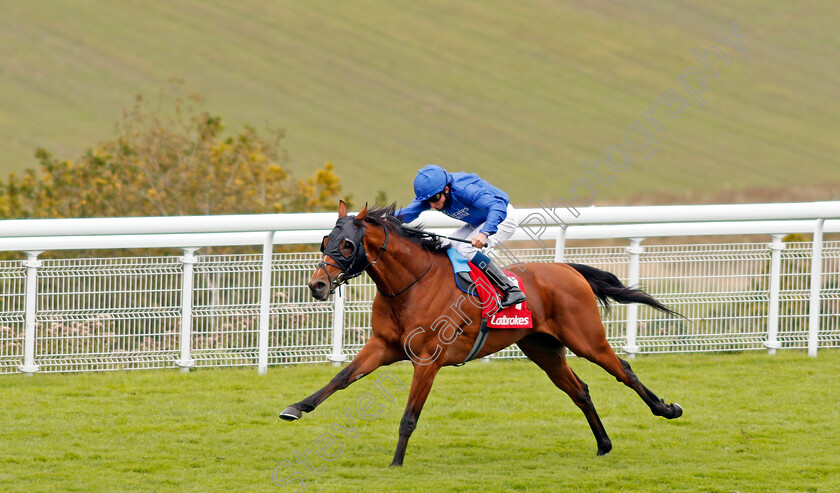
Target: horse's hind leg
<point>549,354</point>
<point>657,405</point>
<point>592,344</point>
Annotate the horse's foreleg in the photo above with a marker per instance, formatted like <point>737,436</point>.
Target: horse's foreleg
<point>374,354</point>
<point>421,384</point>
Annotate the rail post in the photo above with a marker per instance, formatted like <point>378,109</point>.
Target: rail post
<point>634,250</point>
<point>265,303</point>
<point>816,285</point>
<point>31,263</point>
<point>337,356</point>
<point>560,244</point>
<point>776,247</point>
<point>185,362</point>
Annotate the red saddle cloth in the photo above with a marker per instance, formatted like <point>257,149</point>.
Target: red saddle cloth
<point>513,317</point>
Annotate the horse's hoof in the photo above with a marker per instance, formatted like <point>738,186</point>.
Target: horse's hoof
<point>394,464</point>
<point>605,448</point>
<point>291,413</point>
<point>677,411</point>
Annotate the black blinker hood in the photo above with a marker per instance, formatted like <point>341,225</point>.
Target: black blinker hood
<point>354,265</point>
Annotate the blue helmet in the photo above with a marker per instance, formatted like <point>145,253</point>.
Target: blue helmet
<point>429,181</point>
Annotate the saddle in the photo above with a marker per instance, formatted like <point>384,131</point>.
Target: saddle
<point>465,283</point>
<point>474,282</point>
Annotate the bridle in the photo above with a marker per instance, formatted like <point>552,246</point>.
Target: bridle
<point>350,266</point>
<point>357,262</point>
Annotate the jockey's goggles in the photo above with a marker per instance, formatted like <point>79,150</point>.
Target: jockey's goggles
<point>435,197</point>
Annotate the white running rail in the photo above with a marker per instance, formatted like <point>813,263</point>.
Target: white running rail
<point>197,310</point>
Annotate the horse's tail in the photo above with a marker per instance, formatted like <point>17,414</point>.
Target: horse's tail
<point>607,286</point>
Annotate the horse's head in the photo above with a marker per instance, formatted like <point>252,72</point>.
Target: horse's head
<point>345,256</point>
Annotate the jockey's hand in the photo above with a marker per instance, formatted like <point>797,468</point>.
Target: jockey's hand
<point>479,240</point>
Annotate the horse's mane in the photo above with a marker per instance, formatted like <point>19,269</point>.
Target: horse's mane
<point>384,216</point>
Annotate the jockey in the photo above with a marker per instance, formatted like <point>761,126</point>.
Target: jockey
<point>487,211</point>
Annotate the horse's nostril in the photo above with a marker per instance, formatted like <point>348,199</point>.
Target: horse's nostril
<point>318,286</point>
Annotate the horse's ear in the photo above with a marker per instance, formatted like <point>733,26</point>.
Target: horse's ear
<point>342,209</point>
<point>363,213</point>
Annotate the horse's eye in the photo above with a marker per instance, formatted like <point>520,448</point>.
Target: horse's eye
<point>324,243</point>
<point>347,248</point>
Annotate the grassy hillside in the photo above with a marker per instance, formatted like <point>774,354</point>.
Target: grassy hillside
<point>520,92</point>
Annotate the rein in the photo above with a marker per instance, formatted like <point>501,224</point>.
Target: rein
<point>431,235</point>
<point>403,290</point>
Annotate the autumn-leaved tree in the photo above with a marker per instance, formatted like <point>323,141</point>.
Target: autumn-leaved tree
<point>173,162</point>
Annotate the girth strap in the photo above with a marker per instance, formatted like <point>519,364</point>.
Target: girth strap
<point>479,341</point>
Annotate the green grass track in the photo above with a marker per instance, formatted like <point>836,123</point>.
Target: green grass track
<point>752,422</point>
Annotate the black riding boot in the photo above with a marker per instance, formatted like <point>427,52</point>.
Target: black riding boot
<point>513,294</point>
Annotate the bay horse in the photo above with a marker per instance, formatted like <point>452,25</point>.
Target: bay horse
<point>416,290</point>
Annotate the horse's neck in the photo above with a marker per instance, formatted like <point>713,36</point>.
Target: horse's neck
<point>400,265</point>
